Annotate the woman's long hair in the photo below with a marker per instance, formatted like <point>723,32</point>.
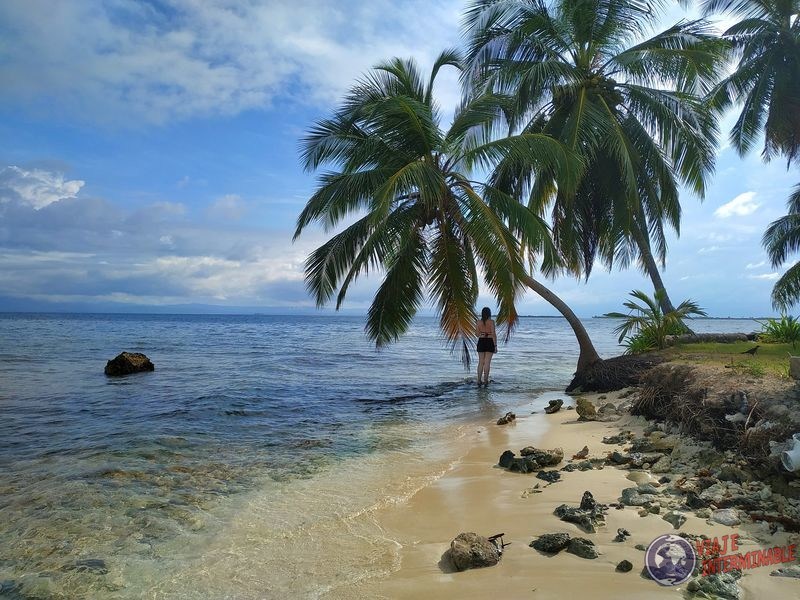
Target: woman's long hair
<point>486,313</point>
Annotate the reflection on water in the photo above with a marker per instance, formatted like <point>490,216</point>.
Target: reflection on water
<point>248,464</point>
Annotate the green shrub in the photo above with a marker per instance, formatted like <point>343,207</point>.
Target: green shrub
<point>785,330</point>
<point>646,327</point>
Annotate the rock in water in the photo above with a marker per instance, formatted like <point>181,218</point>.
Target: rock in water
<point>507,418</point>
<point>554,406</point>
<point>551,543</point>
<point>127,363</point>
<point>586,410</point>
<point>471,551</point>
<point>583,548</point>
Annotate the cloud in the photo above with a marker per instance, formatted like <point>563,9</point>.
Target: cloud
<point>229,206</point>
<point>741,206</point>
<point>755,265</point>
<point>36,187</point>
<point>175,59</point>
<point>84,249</point>
<point>767,276</point>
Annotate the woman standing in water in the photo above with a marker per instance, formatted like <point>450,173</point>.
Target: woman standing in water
<point>487,344</point>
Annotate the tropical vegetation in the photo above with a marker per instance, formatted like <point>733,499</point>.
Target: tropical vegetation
<point>646,327</point>
<point>765,83</point>
<point>417,215</point>
<point>632,108</point>
<point>785,330</point>
<point>577,129</point>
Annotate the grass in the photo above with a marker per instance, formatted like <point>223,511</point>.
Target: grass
<point>771,359</point>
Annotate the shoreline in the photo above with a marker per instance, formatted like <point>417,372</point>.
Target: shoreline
<point>477,495</point>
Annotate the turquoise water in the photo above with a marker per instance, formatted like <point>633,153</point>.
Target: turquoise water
<point>257,441</point>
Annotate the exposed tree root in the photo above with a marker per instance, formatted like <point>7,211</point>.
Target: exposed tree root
<point>614,373</point>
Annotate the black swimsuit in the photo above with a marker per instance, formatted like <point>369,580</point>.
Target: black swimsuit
<point>486,343</point>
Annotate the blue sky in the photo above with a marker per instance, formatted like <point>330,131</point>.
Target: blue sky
<point>149,157</point>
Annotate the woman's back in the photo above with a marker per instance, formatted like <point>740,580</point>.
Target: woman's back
<point>485,328</point>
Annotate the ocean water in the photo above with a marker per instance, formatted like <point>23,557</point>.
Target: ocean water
<point>248,465</point>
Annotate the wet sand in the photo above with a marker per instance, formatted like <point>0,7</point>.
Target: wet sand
<point>476,495</point>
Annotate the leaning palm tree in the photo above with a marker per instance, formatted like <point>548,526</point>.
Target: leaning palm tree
<point>417,215</point>
<point>581,72</point>
<point>781,239</point>
<point>766,77</point>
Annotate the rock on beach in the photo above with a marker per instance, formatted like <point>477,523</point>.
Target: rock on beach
<point>471,551</point>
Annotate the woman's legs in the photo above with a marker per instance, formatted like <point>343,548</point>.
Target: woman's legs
<point>487,361</point>
<point>481,359</point>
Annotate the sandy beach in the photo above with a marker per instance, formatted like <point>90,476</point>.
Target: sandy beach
<point>477,495</point>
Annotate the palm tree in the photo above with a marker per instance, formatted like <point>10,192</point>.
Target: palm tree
<point>766,78</point>
<point>581,72</point>
<point>418,216</point>
<point>781,239</point>
<point>649,325</point>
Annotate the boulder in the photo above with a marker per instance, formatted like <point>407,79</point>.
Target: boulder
<point>582,518</point>
<point>506,459</point>
<point>588,502</point>
<point>675,518</point>
<point>581,454</point>
<point>726,516</point>
<point>583,548</point>
<point>721,586</point>
<point>586,410</point>
<point>584,465</point>
<point>549,476</point>
<point>662,465</point>
<point>507,418</point>
<point>618,458</point>
<point>622,534</point>
<point>551,543</point>
<point>127,363</point>
<point>632,497</point>
<point>554,406</point>
<point>472,551</point>
<point>545,458</point>
<point>790,571</point>
<point>624,566</point>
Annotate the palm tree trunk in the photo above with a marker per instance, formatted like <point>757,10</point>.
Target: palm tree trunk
<point>588,355</point>
<point>651,268</point>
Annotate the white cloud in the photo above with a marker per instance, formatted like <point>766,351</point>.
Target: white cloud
<point>709,250</point>
<point>178,59</point>
<point>755,265</point>
<point>767,276</point>
<point>229,206</point>
<point>741,206</point>
<point>36,187</point>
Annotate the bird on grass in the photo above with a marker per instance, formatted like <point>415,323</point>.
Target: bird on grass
<point>752,351</point>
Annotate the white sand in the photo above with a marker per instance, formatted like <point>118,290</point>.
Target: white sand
<point>476,495</point>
